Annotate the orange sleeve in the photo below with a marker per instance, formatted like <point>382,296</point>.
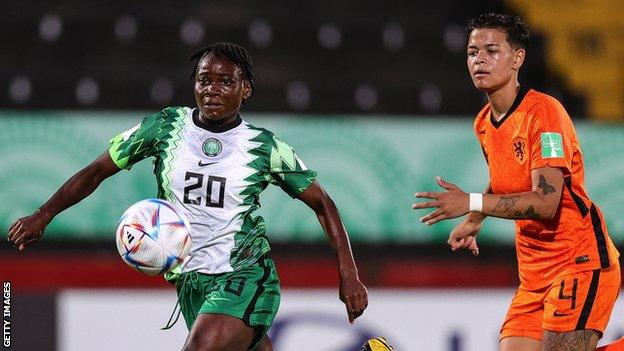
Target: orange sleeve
<point>550,138</point>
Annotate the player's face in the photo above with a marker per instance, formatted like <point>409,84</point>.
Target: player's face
<point>492,62</point>
<point>219,89</point>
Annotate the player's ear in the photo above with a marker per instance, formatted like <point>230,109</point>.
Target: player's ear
<point>518,58</point>
<point>246,89</point>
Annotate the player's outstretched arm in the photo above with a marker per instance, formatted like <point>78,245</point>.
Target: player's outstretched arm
<point>29,229</point>
<point>539,203</point>
<point>352,291</point>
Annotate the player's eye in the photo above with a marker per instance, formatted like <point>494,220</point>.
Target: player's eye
<point>227,81</point>
<point>472,53</point>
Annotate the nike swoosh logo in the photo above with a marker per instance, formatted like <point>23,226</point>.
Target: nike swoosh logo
<point>201,164</point>
<point>219,299</point>
<point>557,314</point>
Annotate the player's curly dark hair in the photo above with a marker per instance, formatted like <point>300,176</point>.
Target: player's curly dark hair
<point>517,31</point>
<point>231,52</point>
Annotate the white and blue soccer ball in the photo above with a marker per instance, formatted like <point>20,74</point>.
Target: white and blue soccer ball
<point>153,237</point>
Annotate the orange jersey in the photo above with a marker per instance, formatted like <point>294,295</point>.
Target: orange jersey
<point>538,132</point>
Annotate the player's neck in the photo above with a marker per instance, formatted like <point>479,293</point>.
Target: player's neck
<point>502,99</point>
<point>216,126</point>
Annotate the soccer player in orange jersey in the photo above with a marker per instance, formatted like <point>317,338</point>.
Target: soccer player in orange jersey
<point>568,266</point>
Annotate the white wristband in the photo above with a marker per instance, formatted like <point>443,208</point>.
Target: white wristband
<point>476,202</point>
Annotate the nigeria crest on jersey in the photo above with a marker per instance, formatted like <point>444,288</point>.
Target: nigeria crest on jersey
<point>212,147</point>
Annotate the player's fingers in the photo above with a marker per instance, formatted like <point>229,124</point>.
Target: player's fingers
<point>18,238</point>
<point>28,243</point>
<point>10,230</point>
<point>358,305</point>
<point>23,236</point>
<point>427,195</point>
<point>473,247</point>
<point>350,316</point>
<point>348,301</point>
<point>364,301</point>
<point>455,243</point>
<point>432,215</point>
<point>427,204</point>
<point>444,184</point>
<point>14,230</point>
<point>436,217</point>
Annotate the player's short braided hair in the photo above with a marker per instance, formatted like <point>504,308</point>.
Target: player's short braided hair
<point>517,31</point>
<point>231,52</point>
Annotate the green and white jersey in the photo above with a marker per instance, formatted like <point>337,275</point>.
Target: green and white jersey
<point>214,179</point>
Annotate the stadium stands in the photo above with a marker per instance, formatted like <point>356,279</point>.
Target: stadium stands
<point>398,58</point>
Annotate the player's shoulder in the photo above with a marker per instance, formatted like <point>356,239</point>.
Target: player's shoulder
<point>263,134</point>
<point>535,100</point>
<point>546,108</point>
<point>167,115</point>
<point>172,113</point>
<point>482,116</point>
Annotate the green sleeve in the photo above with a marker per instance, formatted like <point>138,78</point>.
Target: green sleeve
<point>138,142</point>
<point>287,170</point>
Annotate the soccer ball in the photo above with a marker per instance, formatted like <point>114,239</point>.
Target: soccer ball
<point>153,237</point>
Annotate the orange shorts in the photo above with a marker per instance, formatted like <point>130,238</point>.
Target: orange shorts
<point>581,300</point>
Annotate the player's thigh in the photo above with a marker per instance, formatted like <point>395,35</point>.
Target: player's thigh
<point>219,332</point>
<point>251,294</point>
<point>520,343</point>
<point>582,301</point>
<point>579,340</point>
<point>192,288</point>
<point>524,318</point>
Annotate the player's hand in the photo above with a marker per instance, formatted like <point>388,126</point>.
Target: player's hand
<point>449,204</point>
<point>28,230</point>
<point>464,236</point>
<point>354,295</point>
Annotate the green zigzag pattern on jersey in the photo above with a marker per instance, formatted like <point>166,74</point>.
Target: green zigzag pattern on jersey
<point>258,180</point>
<point>116,153</point>
<point>253,227</point>
<point>283,157</point>
<point>144,139</point>
<point>169,157</point>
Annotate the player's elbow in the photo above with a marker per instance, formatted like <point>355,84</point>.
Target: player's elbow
<point>546,206</point>
<point>325,205</point>
<point>550,210</point>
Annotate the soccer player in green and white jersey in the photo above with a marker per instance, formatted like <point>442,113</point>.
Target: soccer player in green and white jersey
<point>212,166</point>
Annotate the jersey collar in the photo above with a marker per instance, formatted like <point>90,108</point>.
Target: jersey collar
<point>519,97</point>
<point>215,128</point>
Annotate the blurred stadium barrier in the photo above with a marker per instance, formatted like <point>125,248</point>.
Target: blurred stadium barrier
<point>370,166</point>
<point>412,320</point>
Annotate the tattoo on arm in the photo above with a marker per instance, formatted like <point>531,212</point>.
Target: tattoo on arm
<point>530,213</point>
<point>579,340</point>
<point>506,203</point>
<point>546,188</point>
